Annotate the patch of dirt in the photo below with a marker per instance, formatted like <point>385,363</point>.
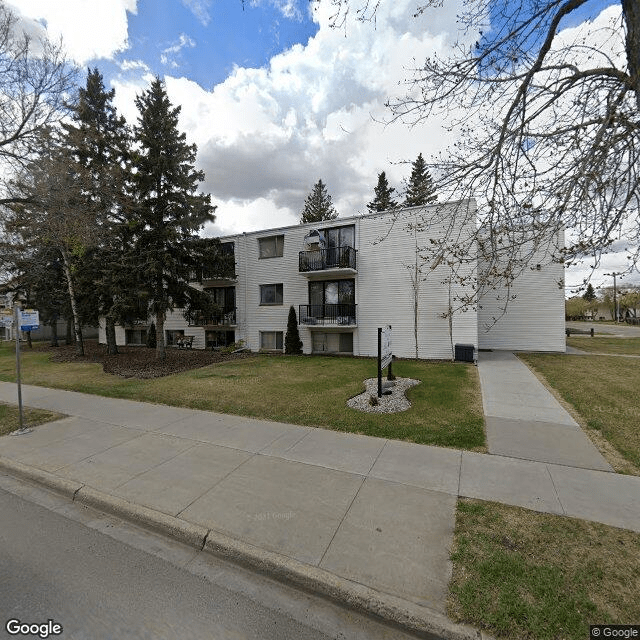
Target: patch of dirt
<point>141,362</point>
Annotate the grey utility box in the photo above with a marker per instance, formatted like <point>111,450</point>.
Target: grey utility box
<point>465,352</point>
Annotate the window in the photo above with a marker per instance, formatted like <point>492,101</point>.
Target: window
<point>223,297</point>
<point>219,339</point>
<point>339,236</point>
<point>332,292</point>
<point>171,335</point>
<point>136,336</point>
<point>272,247</point>
<point>332,342</point>
<point>271,340</point>
<point>271,294</point>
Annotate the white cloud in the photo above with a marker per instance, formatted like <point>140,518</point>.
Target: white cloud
<point>133,65</point>
<point>166,57</point>
<point>200,9</point>
<point>288,8</point>
<point>267,135</point>
<point>89,28</point>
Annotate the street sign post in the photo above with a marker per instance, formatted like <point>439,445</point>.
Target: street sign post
<point>29,319</point>
<point>26,320</point>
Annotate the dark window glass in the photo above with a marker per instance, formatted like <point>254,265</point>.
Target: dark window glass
<point>271,340</point>
<point>332,292</point>
<point>272,247</point>
<point>271,294</point>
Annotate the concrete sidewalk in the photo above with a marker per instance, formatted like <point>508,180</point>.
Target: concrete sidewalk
<point>360,519</point>
<point>523,420</point>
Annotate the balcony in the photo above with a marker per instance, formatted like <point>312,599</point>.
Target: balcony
<point>222,319</point>
<point>335,315</point>
<point>211,279</point>
<point>338,260</point>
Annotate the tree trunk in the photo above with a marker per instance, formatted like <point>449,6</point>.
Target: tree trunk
<point>631,14</point>
<point>161,352</point>
<point>54,333</point>
<point>74,309</point>
<point>110,333</point>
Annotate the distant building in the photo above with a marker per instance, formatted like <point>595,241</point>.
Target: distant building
<point>347,277</point>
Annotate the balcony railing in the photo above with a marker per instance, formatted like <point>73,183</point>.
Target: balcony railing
<point>322,314</point>
<point>222,319</point>
<point>322,259</point>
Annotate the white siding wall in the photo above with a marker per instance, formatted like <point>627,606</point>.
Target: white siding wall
<point>534,319</point>
<point>385,293</point>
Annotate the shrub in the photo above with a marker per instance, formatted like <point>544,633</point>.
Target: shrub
<point>292,342</point>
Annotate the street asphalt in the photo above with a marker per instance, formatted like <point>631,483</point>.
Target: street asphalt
<point>362,520</point>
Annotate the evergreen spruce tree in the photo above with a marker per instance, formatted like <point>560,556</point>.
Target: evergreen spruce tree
<point>169,210</point>
<point>383,200</point>
<point>99,141</point>
<point>420,189</point>
<point>292,342</point>
<point>318,205</point>
<point>590,294</point>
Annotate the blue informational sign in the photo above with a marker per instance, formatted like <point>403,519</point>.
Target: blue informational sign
<point>29,319</point>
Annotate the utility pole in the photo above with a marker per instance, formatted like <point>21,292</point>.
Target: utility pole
<point>616,311</point>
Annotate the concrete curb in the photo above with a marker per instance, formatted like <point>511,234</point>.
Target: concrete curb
<point>406,615</point>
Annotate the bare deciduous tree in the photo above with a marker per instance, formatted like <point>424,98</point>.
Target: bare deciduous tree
<point>52,209</point>
<point>34,80</point>
<point>547,121</point>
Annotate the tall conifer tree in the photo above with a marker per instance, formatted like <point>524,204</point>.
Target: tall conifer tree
<point>99,141</point>
<point>169,209</point>
<point>383,200</point>
<point>420,188</point>
<point>318,205</point>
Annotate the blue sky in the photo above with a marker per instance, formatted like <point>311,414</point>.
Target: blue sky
<point>272,95</point>
<point>210,41</point>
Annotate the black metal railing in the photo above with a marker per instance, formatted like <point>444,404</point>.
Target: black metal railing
<point>321,259</point>
<point>341,314</point>
<point>222,319</point>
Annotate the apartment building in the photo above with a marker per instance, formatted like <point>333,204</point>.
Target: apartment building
<point>345,278</point>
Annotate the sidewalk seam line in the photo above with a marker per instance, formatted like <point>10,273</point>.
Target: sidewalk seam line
<point>344,515</point>
<point>70,464</point>
<point>553,484</point>
<point>302,437</point>
<point>215,484</point>
<point>382,448</point>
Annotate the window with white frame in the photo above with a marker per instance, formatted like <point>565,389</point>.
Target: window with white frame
<point>271,340</point>
<point>271,247</point>
<point>271,294</point>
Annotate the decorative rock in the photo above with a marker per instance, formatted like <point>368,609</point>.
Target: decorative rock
<point>394,402</point>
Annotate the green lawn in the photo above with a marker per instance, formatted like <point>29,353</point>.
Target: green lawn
<point>604,392</point>
<point>309,390</point>
<point>523,575</point>
<point>10,419</point>
<point>602,344</point>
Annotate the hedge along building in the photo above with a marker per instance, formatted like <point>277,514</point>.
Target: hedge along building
<point>415,269</point>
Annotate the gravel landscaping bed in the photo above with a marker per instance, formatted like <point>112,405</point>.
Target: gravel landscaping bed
<point>395,402</point>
